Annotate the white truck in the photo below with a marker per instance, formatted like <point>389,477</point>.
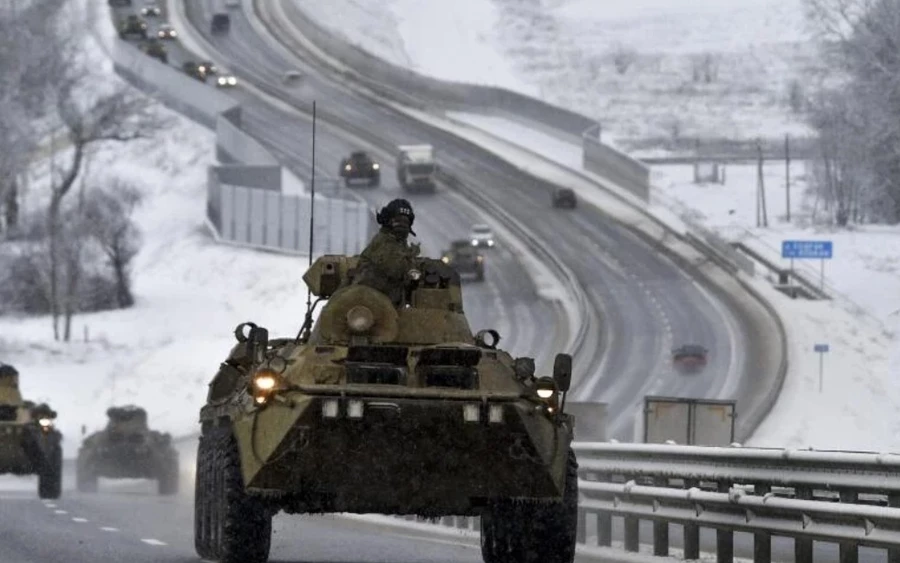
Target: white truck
<point>416,168</point>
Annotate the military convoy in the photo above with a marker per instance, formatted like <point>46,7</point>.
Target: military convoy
<point>377,409</point>
<point>156,50</point>
<point>127,448</point>
<point>29,442</point>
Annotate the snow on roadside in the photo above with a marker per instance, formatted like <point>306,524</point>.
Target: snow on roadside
<point>190,293</point>
<point>440,39</point>
<point>858,365</point>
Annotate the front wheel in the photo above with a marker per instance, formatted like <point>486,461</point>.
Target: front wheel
<point>50,477</point>
<point>531,532</point>
<point>243,525</point>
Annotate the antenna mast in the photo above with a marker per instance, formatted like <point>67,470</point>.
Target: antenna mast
<point>307,323</point>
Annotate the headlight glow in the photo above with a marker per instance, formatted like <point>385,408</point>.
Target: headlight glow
<point>474,242</point>
<point>375,166</point>
<point>264,381</point>
<point>445,259</point>
<point>232,80</point>
<point>545,388</point>
<point>479,259</point>
<point>348,167</point>
<point>45,423</point>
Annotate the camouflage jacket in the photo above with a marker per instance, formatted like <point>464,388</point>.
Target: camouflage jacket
<point>384,263</point>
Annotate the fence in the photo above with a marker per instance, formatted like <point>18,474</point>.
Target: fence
<point>261,204</point>
<point>848,498</point>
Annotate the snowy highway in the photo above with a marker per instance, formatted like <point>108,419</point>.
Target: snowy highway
<point>646,303</point>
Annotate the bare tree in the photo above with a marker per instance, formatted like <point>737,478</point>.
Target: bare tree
<point>858,118</point>
<point>705,68</point>
<point>88,118</point>
<point>109,213</point>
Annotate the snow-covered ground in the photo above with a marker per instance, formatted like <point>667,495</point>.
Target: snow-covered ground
<point>566,51</point>
<point>860,397</point>
<point>191,293</point>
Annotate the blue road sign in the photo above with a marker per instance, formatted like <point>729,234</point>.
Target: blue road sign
<point>806,249</point>
<point>821,347</point>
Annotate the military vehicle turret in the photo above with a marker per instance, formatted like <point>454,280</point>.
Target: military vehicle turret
<point>29,442</point>
<point>377,409</point>
<point>127,448</point>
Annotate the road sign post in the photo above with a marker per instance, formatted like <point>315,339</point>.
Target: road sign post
<point>821,349</point>
<point>809,249</point>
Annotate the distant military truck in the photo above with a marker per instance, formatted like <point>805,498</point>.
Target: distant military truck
<point>360,166</point>
<point>194,70</point>
<point>416,168</point>
<point>156,50</point>
<point>465,259</point>
<point>127,448</point>
<point>133,26</point>
<point>29,442</point>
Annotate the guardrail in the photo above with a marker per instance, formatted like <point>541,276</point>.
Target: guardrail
<point>246,209</point>
<point>848,498</point>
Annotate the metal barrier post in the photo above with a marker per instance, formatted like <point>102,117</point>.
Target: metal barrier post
<point>894,553</point>
<point>661,529</point>
<point>762,542</point>
<point>691,531</point>
<point>724,538</point>
<point>632,534</point>
<point>849,551</point>
<point>581,531</point>
<point>803,548</point>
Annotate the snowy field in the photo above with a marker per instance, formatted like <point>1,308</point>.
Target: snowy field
<point>566,52</point>
<point>191,292</point>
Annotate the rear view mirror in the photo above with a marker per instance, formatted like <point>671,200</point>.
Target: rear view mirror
<point>562,372</point>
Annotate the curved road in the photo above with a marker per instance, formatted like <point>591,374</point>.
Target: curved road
<point>505,301</point>
<point>647,303</point>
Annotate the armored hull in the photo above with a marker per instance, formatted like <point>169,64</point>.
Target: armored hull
<point>25,449</point>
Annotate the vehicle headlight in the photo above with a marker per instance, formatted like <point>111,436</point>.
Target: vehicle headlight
<point>348,167</point>
<point>173,33</point>
<point>46,423</point>
<point>360,319</point>
<point>479,259</point>
<point>545,388</point>
<point>375,166</point>
<point>264,384</point>
<point>474,242</point>
<point>445,259</point>
<point>221,81</point>
<point>232,81</point>
<point>414,275</point>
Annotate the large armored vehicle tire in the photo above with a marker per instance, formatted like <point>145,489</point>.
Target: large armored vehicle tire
<point>205,542</point>
<point>520,532</point>
<point>85,480</point>
<point>167,482</point>
<point>50,477</point>
<point>239,525</point>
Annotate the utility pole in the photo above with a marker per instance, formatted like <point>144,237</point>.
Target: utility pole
<point>787,174</point>
<point>761,188</point>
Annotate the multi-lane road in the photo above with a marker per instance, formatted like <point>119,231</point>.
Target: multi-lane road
<point>647,304</point>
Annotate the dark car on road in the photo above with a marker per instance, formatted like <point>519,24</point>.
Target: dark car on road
<point>194,70</point>
<point>157,50</point>
<point>133,26</point>
<point>565,197</point>
<point>359,166</point>
<point>465,259</point>
<point>220,23</point>
<point>690,358</point>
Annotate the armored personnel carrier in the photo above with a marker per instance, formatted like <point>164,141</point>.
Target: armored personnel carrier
<point>154,48</point>
<point>377,409</point>
<point>133,26</point>
<point>127,448</point>
<point>29,443</point>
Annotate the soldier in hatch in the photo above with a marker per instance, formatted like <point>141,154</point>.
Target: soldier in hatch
<point>389,256</point>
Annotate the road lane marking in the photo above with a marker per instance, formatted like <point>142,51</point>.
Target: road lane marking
<point>152,541</point>
<point>79,520</point>
<point>60,512</point>
<point>50,505</point>
<point>108,529</point>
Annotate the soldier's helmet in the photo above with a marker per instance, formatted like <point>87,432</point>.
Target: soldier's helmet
<point>396,207</point>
